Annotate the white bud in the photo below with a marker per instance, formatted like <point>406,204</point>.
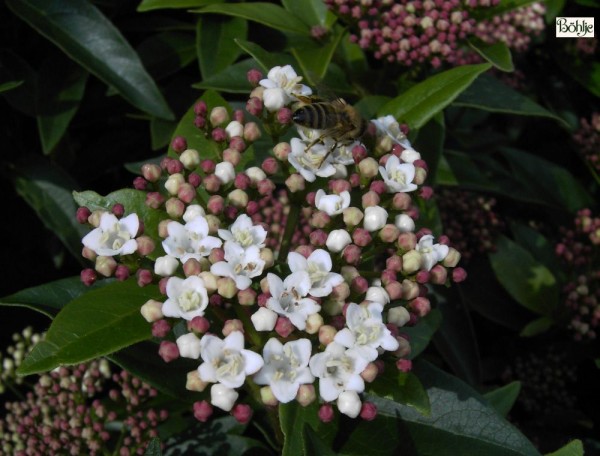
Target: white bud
<point>189,346</point>
<point>398,316</point>
<point>225,172</point>
<point>264,319</point>
<point>165,265</point>
<point>313,323</point>
<point>190,158</point>
<point>255,174</point>
<point>338,240</point>
<point>152,310</point>
<point>349,403</point>
<point>193,211</point>
<point>377,294</point>
<point>210,281</point>
<point>234,128</point>
<point>375,218</point>
<point>223,397</point>
<point>410,155</point>
<point>174,182</point>
<point>404,223</point>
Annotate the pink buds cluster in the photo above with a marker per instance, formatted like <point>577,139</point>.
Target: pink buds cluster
<point>588,140</point>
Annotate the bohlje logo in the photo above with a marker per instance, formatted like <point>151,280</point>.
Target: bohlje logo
<point>574,27</point>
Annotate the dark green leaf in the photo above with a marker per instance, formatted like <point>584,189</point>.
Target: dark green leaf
<point>573,448</point>
<point>311,12</point>
<point>503,398</point>
<point>422,333</point>
<point>490,94</point>
<point>136,167</point>
<point>264,58</point>
<point>530,283</point>
<point>585,73</point>
<point>58,101</point>
<point>166,53</point>
<point>268,14</point>
<point>314,62</point>
<point>161,132</point>
<point>444,174</point>
<point>47,189</point>
<point>536,327</point>
<point>538,245</point>
<point>403,388</point>
<point>422,101</point>
<point>369,105</point>
<point>153,448</point>
<point>354,58</point>
<point>10,85</point>
<point>314,445</point>
<point>553,9</point>
<point>89,38</point>
<point>293,418</point>
<point>379,437</point>
<point>50,297</point>
<point>23,96</point>
<point>149,5</point>
<point>95,324</point>
<point>498,54</point>
<point>502,7</point>
<point>232,80</point>
<point>461,421</point>
<point>215,42</point>
<point>430,143</point>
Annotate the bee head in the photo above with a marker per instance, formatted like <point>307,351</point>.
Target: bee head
<point>299,116</point>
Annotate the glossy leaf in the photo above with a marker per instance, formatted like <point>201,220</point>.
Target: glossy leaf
<point>369,105</point>
<point>264,58</point>
<point>161,132</point>
<point>430,142</point>
<point>539,246</point>
<point>95,324</point>
<point>536,327</point>
<point>403,388</point>
<point>47,189</point>
<point>498,54</point>
<point>501,8</point>
<point>153,448</point>
<point>573,448</point>
<point>585,73</point>
<point>51,297</point>
<point>10,85</point>
<point>231,80</point>
<point>530,283</point>
<point>268,14</point>
<point>311,12</point>
<point>503,398</point>
<point>422,101</point>
<point>490,94</point>
<point>149,5</point>
<point>293,418</point>
<point>314,62</point>
<point>23,95</point>
<point>314,444</point>
<point>379,437</point>
<point>166,53</point>
<point>215,42</point>
<point>553,9</point>
<point>461,421</point>
<point>422,333</point>
<point>89,38</point>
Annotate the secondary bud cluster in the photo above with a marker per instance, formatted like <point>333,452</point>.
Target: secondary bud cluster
<point>588,140</point>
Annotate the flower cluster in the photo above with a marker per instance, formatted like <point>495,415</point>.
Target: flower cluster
<point>469,221</point>
<point>64,415</point>
<point>301,289</point>
<point>10,362</point>
<point>588,140</point>
<point>578,248</point>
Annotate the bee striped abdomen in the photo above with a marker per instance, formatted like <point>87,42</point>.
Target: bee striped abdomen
<point>317,116</point>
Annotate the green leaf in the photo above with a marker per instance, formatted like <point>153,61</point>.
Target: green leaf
<point>59,98</point>
<point>161,132</point>
<point>461,421</point>
<point>89,38</point>
<point>134,201</point>
<point>314,444</point>
<point>232,80</point>
<point>51,297</point>
<point>403,388</point>
<point>315,61</point>
<point>96,324</point>
<point>422,101</point>
<point>166,53</point>
<point>530,283</point>
<point>153,448</point>
<point>293,418</point>
<point>422,333</point>
<point>553,9</point>
<point>369,105</point>
<point>149,5</point>
<point>536,327</point>
<point>215,42</point>
<point>47,189</point>
<point>585,73</point>
<point>573,448</point>
<point>498,54</point>
<point>10,85</point>
<point>490,94</point>
<point>268,14</point>
<point>503,398</point>
<point>539,246</point>
<point>444,174</point>
<point>311,12</point>
<point>264,58</point>
<point>430,142</point>
<point>23,96</point>
<point>502,7</point>
<point>380,437</point>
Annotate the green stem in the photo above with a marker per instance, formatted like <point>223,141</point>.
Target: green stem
<point>291,225</point>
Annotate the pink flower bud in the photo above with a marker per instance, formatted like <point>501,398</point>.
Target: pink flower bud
<point>202,411</point>
<point>231,326</point>
<point>370,198</point>
<point>162,285</point>
<point>161,328</point>
<point>359,153</point>
<point>154,200</point>
<point>295,183</point>
<point>198,325</point>
<point>151,172</point>
<point>359,285</point>
<point>389,233</point>
<point>404,365</point>
<point>212,183</point>
<point>168,351</point>
<point>233,154</point>
<point>215,204</point>
<point>281,151</point>
<point>200,108</point>
<point>179,144</point>
<point>401,201</point>
<point>270,166</point>
<point>122,273</point>
<point>145,245</point>
<point>394,289</point>
<point>306,395</point>
<point>340,292</point>
<point>265,187</point>
<point>394,263</point>
<point>368,411</point>
<point>174,166</point>
<point>326,413</point>
<point>192,267</point>
<point>361,237</point>
<point>284,116</point>
<point>254,106</point>
<point>254,76</point>
<point>251,132</point>
<point>420,306</point>
<point>351,254</point>
<point>208,166</point>
<point>422,277</point>
<point>438,274</point>
<point>318,238</point>
<point>246,297</point>
<point>458,275</point>
<point>370,373</point>
<point>338,186</point>
<point>139,183</point>
<point>407,241</point>
<point>219,116</point>
<point>218,135</point>
<point>284,327</point>
<point>88,277</point>
<point>82,215</point>
<point>241,181</point>
<point>144,277</point>
<point>327,334</point>
<point>174,207</point>
<point>242,413</point>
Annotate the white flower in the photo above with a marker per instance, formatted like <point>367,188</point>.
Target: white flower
<point>389,126</point>
<point>365,331</point>
<point>186,298</point>
<point>286,368</point>
<point>375,218</point>
<point>225,172</point>
<point>191,240</point>
<point>337,240</point>
<point>378,294</point>
<point>398,176</point>
<point>165,265</point>
<point>226,361</point>
<point>234,128</point>
<point>264,319</point>
<point>332,204</point>
<point>318,266</point>
<point>244,233</point>
<point>240,264</point>
<point>312,162</point>
<point>288,297</point>
<point>410,155</point>
<point>223,397</point>
<point>404,223</point>
<point>349,404</point>
<point>189,346</point>
<point>281,87</point>
<point>113,236</point>
<point>338,370</point>
<point>431,253</point>
<point>193,211</point>
<point>342,154</point>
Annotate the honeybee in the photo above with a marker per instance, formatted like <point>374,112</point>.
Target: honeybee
<point>336,119</point>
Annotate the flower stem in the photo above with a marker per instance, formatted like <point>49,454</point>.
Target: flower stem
<point>291,225</point>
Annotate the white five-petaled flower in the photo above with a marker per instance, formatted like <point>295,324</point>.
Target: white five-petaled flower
<point>318,266</point>
<point>281,87</point>
<point>240,264</point>
<point>288,297</point>
<point>332,204</point>
<point>398,177</point>
<point>430,253</point>
<point>186,298</point>
<point>365,331</point>
<point>389,126</point>
<point>286,368</point>
<point>226,361</point>
<point>190,240</point>
<point>244,233</point>
<point>311,163</point>
<point>113,236</point>
<point>338,370</point>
